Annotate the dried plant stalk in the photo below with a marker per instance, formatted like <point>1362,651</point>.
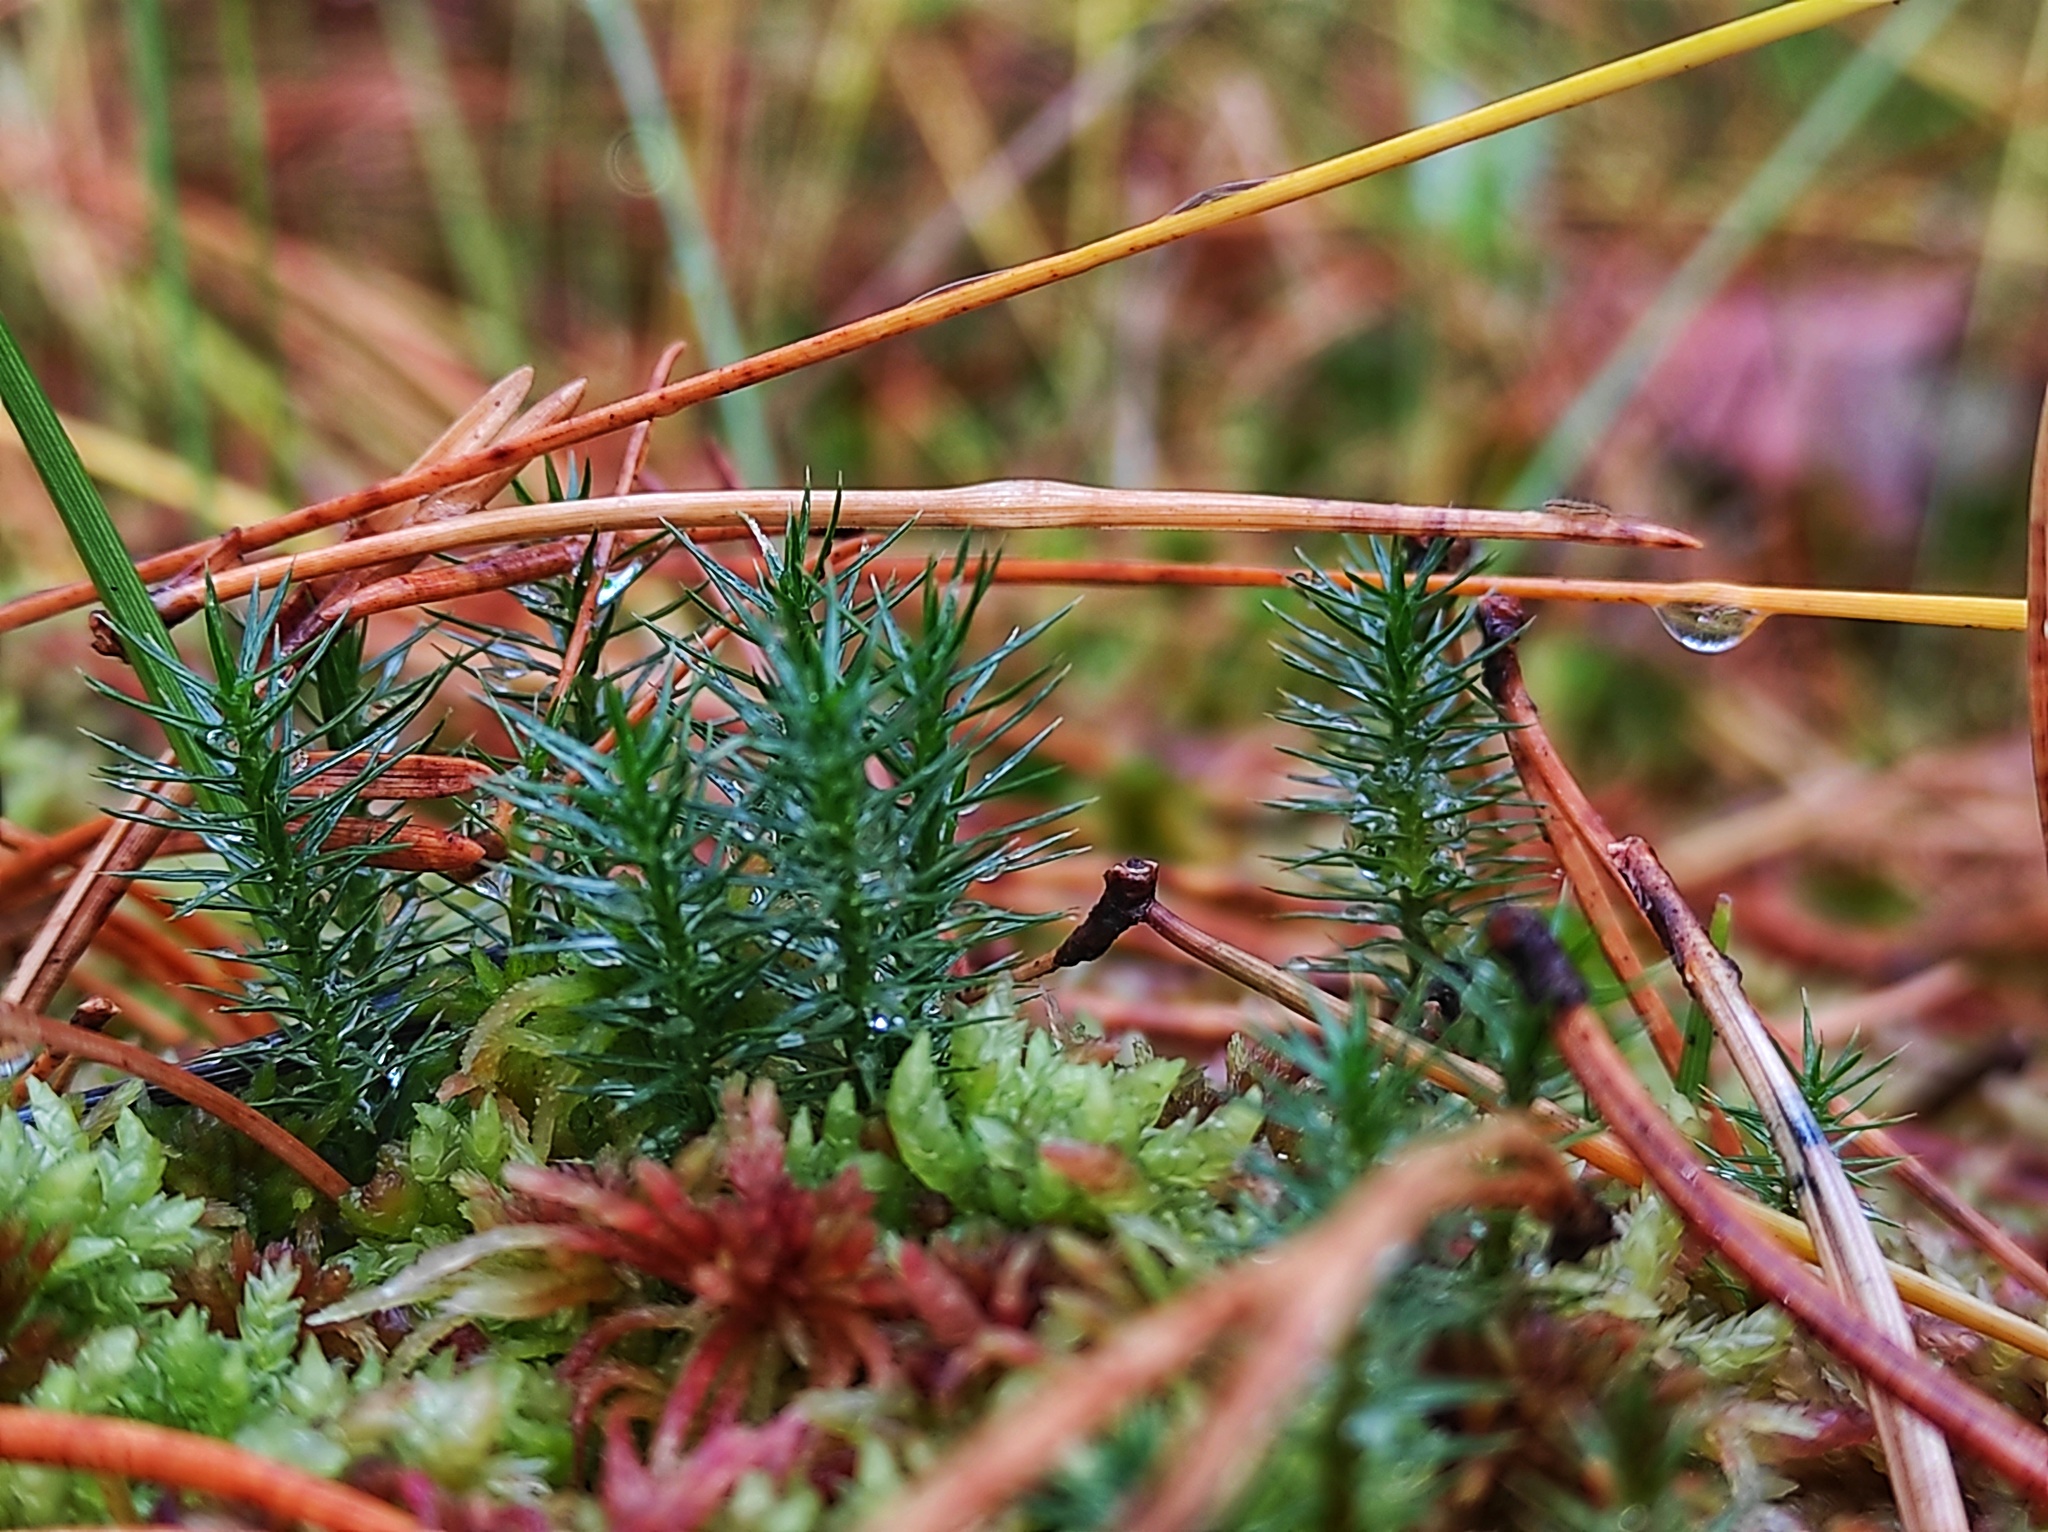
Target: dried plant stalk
<point>1923,1475</point>
<point>68,930</point>
<point>24,1025</point>
<point>184,1460</point>
<point>599,548</point>
<point>1001,505</point>
<point>1583,841</point>
<point>1995,613</point>
<point>1480,1085</point>
<point>2002,1440</point>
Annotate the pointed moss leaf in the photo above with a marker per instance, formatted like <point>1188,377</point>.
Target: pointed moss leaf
<point>921,1121</point>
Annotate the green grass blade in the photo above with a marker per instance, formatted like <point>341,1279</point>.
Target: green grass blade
<point>149,78</point>
<point>92,533</point>
<point>698,271</point>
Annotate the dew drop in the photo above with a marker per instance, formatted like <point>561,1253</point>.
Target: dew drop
<point>1708,627</point>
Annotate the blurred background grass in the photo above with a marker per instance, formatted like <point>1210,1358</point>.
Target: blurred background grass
<point>261,253</point>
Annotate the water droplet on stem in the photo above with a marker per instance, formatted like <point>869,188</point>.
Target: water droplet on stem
<point>1708,627</point>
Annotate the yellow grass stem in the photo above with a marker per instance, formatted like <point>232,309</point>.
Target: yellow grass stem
<point>1197,216</point>
<point>2006,614</point>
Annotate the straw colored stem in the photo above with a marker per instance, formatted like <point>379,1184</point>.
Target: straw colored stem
<point>1003,505</point>
<point>1999,613</point>
<point>183,1460</point>
<point>2003,1441</point>
<point>1480,1085</point>
<point>1196,216</point>
<point>1923,1474</point>
<point>25,1025</point>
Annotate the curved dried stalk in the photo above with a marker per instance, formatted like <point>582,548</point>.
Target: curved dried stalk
<point>1480,1085</point>
<point>125,846</point>
<point>26,1026</point>
<point>1200,214</point>
<point>598,548</point>
<point>184,1460</point>
<point>1297,1299</point>
<point>1993,613</point>
<point>1573,829</point>
<point>1002,505</point>
<point>1584,852</point>
<point>2000,1439</point>
<point>1923,1475</point>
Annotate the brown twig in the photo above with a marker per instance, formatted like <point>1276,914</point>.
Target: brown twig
<point>1998,613</point>
<point>68,930</point>
<point>1003,505</point>
<point>2002,1440</point>
<point>1575,830</point>
<point>26,1026</point>
<point>1485,1089</point>
<point>1297,1298</point>
<point>1128,890</point>
<point>184,1460</point>
<point>1923,1475</point>
<point>597,550</point>
<point>1583,840</point>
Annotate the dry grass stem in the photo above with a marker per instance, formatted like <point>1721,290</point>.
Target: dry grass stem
<point>1582,840</point>
<point>598,550</point>
<point>1923,1475</point>
<point>25,1026</point>
<point>125,846</point>
<point>1002,505</point>
<point>183,1460</point>
<point>2002,1440</point>
<point>1995,613</point>
<point>1480,1085</point>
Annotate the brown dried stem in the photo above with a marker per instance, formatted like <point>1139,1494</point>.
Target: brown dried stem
<point>1002,505</point>
<point>68,930</point>
<point>598,549</point>
<point>1573,827</point>
<point>1923,1475</point>
<point>183,1460</point>
<point>1128,890</point>
<point>24,1025</point>
<point>1997,613</point>
<point>2002,1440</point>
<point>1583,840</point>
<point>1485,1089</point>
